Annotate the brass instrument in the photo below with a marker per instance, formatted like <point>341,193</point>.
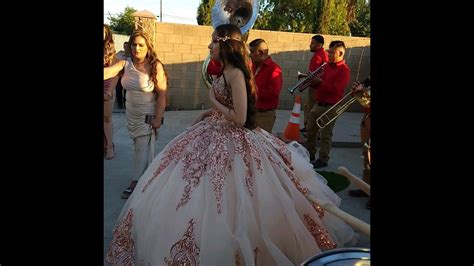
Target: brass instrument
<point>302,75</point>
<point>306,82</point>
<point>242,13</point>
<point>363,97</point>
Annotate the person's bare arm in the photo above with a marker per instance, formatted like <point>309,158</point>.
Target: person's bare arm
<point>114,70</point>
<point>161,100</point>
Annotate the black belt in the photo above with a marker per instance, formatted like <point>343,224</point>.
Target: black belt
<point>324,104</point>
<point>265,110</point>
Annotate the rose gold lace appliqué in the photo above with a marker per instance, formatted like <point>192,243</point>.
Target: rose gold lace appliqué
<point>237,259</point>
<point>185,251</point>
<point>285,167</point>
<point>321,236</point>
<point>245,147</point>
<point>204,152</point>
<point>121,250</point>
<point>221,164</point>
<point>174,151</point>
<point>223,95</point>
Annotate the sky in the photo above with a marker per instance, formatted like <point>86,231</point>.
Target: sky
<point>175,11</point>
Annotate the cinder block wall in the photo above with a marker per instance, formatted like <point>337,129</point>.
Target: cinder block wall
<point>183,49</point>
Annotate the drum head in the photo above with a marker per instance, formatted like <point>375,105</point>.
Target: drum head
<point>341,257</point>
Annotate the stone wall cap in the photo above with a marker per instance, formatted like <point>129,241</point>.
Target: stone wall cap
<point>144,13</point>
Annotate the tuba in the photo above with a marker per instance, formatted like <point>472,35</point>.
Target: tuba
<point>241,13</point>
<point>363,97</point>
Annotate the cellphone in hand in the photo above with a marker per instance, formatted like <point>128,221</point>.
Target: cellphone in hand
<point>149,119</point>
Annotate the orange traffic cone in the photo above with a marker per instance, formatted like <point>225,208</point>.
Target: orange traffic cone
<point>292,131</point>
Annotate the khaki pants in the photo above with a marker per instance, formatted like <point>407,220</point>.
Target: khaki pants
<point>266,120</point>
<point>325,134</point>
<point>364,137</point>
<point>308,105</point>
<point>144,153</point>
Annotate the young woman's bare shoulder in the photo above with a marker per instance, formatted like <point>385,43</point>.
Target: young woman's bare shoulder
<point>234,73</point>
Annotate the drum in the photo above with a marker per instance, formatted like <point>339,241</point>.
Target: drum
<point>340,257</point>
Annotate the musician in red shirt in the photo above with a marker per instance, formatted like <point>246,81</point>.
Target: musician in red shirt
<point>319,57</point>
<point>269,80</point>
<point>329,89</point>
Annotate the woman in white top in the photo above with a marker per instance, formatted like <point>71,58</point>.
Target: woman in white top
<point>145,81</point>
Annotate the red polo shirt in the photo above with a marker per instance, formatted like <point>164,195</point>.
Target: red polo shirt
<point>269,81</point>
<point>319,57</point>
<point>333,83</point>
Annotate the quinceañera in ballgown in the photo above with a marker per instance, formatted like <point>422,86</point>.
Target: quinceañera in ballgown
<point>222,194</point>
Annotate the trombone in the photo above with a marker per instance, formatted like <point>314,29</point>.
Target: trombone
<point>363,97</point>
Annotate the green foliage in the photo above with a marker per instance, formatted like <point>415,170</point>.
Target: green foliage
<point>204,12</point>
<point>335,17</point>
<point>361,26</point>
<point>123,23</point>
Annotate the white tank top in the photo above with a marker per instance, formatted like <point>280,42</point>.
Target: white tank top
<point>135,80</point>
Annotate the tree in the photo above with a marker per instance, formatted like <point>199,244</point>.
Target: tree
<point>361,25</point>
<point>312,16</point>
<point>336,17</point>
<point>286,15</point>
<point>339,24</point>
<point>264,15</point>
<point>323,16</point>
<point>204,12</point>
<point>123,23</point>
<point>351,10</point>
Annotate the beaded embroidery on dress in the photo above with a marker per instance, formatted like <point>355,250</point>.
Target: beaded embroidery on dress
<point>220,194</point>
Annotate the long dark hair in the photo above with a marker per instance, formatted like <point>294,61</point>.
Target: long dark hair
<point>234,52</point>
<point>109,47</point>
<point>229,30</point>
<point>150,55</point>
